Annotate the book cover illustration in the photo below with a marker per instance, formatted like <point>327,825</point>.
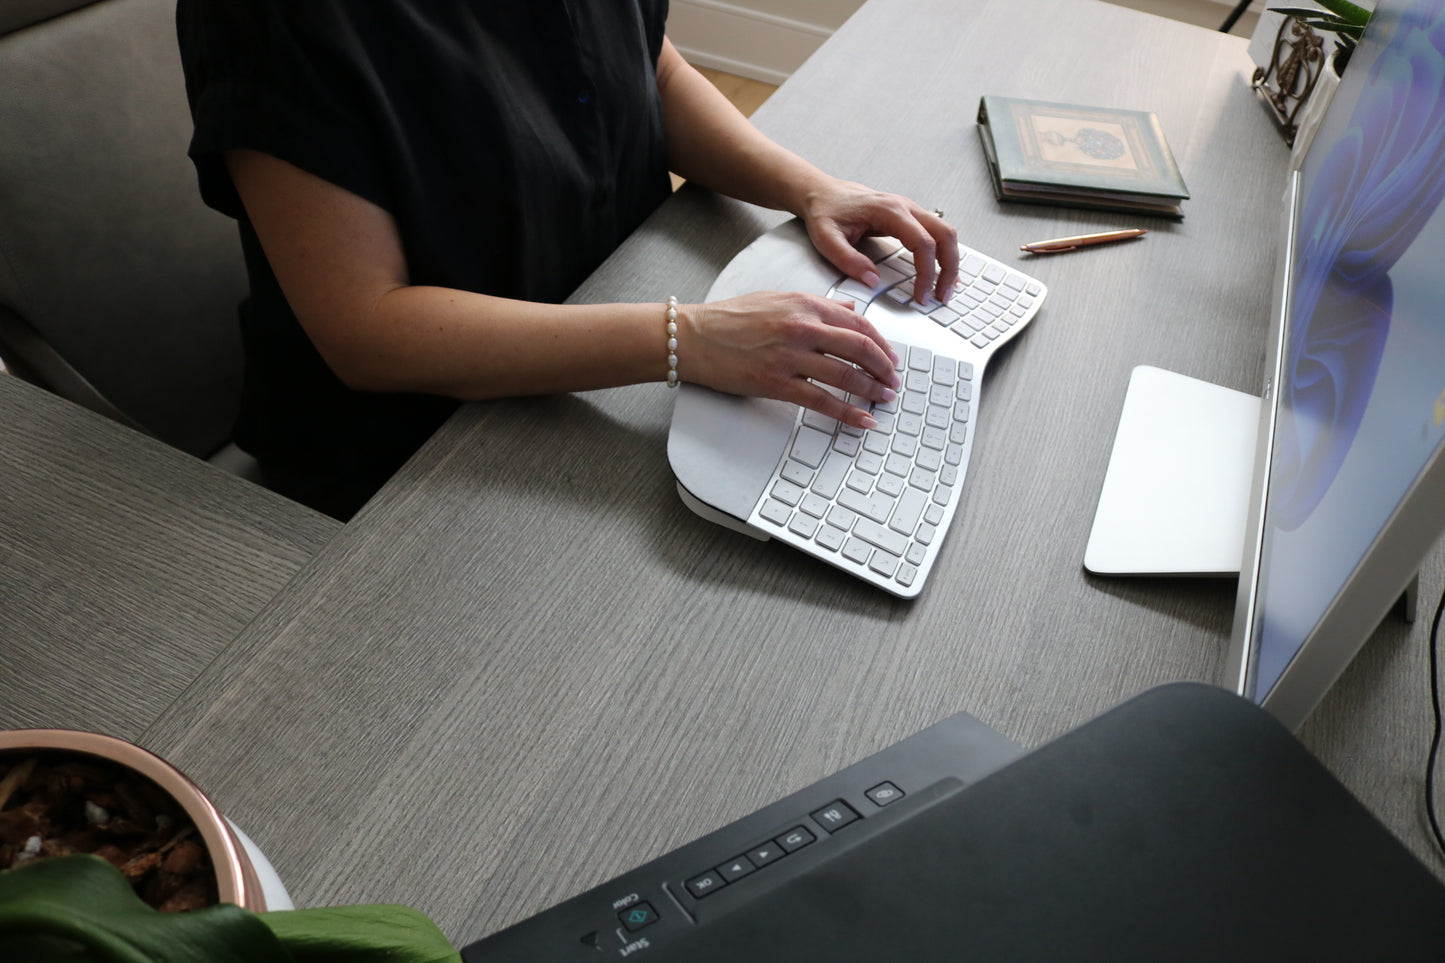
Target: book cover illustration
<point>1066,153</point>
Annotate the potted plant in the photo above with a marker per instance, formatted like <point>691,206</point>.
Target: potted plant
<point>100,836</point>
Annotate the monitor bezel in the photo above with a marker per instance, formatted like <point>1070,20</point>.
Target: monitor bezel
<point>1381,576</point>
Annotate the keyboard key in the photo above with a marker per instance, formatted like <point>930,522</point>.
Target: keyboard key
<point>945,371</point>
<point>857,551</point>
<point>898,465</point>
<point>922,479</point>
<point>880,537</point>
<point>804,525</point>
<point>910,423</point>
<point>859,481</point>
<point>830,476</point>
<point>905,445</point>
<point>797,473</point>
<point>933,514</point>
<point>776,512</point>
<point>859,293</point>
<point>875,506</point>
<point>934,438</point>
<point>907,573</point>
<point>820,421</point>
<point>830,538</point>
<point>890,484</point>
<point>971,266</point>
<point>787,493</point>
<point>847,444</point>
<point>944,316</point>
<point>840,517</point>
<point>876,441</point>
<point>916,554</point>
<point>930,458</point>
<point>816,505</point>
<point>910,506</point>
<point>884,564</point>
<point>811,445</point>
<point>920,359</point>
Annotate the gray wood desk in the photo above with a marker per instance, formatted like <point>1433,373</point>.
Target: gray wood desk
<point>125,565</point>
<point>526,667</point>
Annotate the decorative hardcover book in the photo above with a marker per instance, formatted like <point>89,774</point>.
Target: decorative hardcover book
<point>1100,158</point>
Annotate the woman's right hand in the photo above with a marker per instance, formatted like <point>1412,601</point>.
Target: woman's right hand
<point>772,344</point>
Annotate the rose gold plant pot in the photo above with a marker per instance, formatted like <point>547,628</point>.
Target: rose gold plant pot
<point>237,877</point>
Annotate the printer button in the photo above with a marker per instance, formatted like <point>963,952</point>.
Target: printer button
<point>884,793</point>
<point>795,839</point>
<point>765,854</point>
<point>704,884</point>
<point>834,816</point>
<point>735,869</point>
<point>637,916</point>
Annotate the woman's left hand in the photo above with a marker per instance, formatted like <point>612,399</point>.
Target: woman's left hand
<point>841,213</point>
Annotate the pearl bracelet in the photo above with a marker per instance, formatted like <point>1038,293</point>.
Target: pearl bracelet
<point>672,342</point>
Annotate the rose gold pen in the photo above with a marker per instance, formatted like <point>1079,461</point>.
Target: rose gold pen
<point>1060,244</point>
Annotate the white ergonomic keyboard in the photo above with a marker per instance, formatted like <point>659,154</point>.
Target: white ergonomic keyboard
<point>874,503</point>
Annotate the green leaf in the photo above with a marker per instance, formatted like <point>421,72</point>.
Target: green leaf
<point>1346,11</point>
<point>361,934</point>
<point>81,908</point>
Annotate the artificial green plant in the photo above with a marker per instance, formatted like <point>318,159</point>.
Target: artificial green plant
<point>80,909</point>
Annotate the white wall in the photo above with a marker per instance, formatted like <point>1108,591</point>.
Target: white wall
<point>762,39</point>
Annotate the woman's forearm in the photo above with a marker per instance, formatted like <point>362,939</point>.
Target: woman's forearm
<point>710,142</point>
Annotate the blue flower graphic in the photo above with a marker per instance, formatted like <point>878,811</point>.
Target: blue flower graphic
<point>1370,196</point>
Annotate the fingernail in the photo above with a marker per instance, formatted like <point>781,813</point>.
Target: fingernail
<point>870,422</point>
<point>870,278</point>
<point>889,395</point>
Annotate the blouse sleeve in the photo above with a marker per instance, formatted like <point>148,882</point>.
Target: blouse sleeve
<point>262,74</point>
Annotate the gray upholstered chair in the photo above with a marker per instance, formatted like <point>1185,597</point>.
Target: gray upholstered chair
<point>118,287</point>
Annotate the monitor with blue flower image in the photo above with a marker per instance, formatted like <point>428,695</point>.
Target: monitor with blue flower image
<point>1325,495</point>
<point>1349,483</point>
